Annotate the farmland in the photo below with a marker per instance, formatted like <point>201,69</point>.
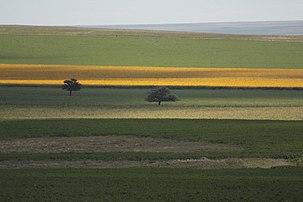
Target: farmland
<point>258,138</point>
<point>52,102</point>
<point>44,155</point>
<point>23,45</point>
<point>151,185</point>
<point>151,76</point>
<point>42,174</point>
<point>234,134</point>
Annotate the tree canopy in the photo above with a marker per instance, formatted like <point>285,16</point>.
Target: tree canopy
<point>71,85</point>
<point>161,94</point>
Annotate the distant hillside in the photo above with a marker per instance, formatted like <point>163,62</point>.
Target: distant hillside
<point>253,28</point>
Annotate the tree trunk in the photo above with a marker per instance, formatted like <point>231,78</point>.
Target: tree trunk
<point>70,93</point>
<point>159,103</point>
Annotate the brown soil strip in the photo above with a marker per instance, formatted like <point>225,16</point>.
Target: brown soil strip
<point>106,144</point>
<point>203,163</point>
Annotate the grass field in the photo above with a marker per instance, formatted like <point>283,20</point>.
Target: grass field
<point>151,185</point>
<point>52,102</point>
<point>109,144</point>
<point>143,50</point>
<point>152,76</point>
<point>258,138</point>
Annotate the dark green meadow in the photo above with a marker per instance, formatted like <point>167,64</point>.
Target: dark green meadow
<point>278,184</point>
<point>144,50</point>
<point>277,139</point>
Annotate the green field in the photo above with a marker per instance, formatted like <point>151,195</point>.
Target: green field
<point>143,50</point>
<point>278,139</point>
<point>109,144</point>
<point>131,97</point>
<point>48,102</point>
<point>151,185</point>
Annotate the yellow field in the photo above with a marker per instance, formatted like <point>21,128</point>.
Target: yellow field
<point>246,113</point>
<point>150,76</point>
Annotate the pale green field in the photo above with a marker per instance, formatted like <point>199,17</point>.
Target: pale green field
<point>28,45</point>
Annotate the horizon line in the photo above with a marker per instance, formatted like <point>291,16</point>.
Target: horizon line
<point>140,24</point>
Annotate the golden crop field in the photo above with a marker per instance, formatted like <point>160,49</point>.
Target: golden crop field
<point>150,76</point>
<point>245,113</point>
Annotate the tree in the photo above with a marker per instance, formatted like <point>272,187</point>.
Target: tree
<point>71,85</point>
<point>161,94</point>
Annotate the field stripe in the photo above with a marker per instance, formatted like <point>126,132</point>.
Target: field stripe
<point>243,113</point>
<point>150,76</point>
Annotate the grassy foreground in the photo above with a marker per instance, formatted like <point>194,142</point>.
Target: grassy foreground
<point>168,50</point>
<point>283,184</point>
<point>278,139</point>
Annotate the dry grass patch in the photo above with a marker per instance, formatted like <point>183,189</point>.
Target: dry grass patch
<point>106,144</point>
<point>203,163</point>
<point>248,113</point>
